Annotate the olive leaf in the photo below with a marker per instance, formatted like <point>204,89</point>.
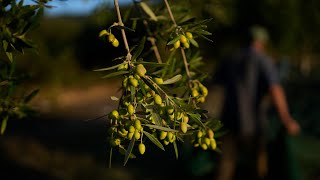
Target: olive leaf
<point>115,74</point>
<point>109,68</point>
<point>174,79</point>
<point>4,124</point>
<point>128,151</point>
<point>139,49</point>
<point>196,118</point>
<point>148,11</point>
<point>156,117</point>
<point>175,149</point>
<point>161,128</point>
<point>31,95</point>
<point>154,140</point>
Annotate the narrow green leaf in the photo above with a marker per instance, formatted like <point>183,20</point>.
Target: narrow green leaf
<point>141,85</point>
<point>196,118</point>
<point>4,125</point>
<point>115,74</point>
<point>194,42</point>
<point>172,80</point>
<point>154,140</point>
<point>139,49</point>
<point>175,149</point>
<point>128,151</point>
<point>148,11</point>
<point>151,63</point>
<point>31,95</point>
<point>156,117</point>
<point>109,68</point>
<point>132,93</point>
<point>10,56</point>
<point>204,32</point>
<point>110,157</point>
<point>205,37</point>
<point>124,27</point>
<point>161,128</point>
<point>174,40</point>
<point>123,151</point>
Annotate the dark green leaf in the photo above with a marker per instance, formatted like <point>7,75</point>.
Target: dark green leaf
<point>202,36</point>
<point>139,49</point>
<point>128,151</point>
<point>110,157</point>
<point>156,117</point>
<point>115,74</point>
<point>132,93</point>
<point>203,32</point>
<point>31,95</point>
<point>123,151</point>
<point>10,56</point>
<point>176,149</point>
<point>4,125</point>
<point>154,140</point>
<point>161,128</point>
<point>196,118</point>
<point>141,85</point>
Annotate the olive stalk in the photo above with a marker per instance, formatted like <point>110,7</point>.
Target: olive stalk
<point>186,65</point>
<point>124,37</point>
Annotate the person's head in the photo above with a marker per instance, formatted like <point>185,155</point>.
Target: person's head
<point>258,37</point>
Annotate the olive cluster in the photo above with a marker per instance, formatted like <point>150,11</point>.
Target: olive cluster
<point>204,139</point>
<point>183,41</point>
<point>199,91</point>
<point>111,38</point>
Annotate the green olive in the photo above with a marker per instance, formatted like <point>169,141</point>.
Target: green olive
<point>142,148</point>
<point>141,70</point>
<point>183,127</point>
<point>176,45</point>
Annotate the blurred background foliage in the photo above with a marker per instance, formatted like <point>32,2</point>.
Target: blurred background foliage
<point>68,49</point>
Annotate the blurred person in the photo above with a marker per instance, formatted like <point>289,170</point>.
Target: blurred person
<point>249,78</point>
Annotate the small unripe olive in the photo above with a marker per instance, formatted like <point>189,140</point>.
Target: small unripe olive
<point>213,144</point>
<point>207,141</point>
<point>176,45</point>
<point>137,124</point>
<point>186,45</point>
<point>158,80</point>
<point>201,99</point>
<point>199,134</point>
<point>117,142</point>
<point>130,109</point>
<point>210,134</point>
<point>134,82</point>
<point>137,135</point>
<point>204,90</point>
<point>166,142</point>
<point>111,38</point>
<point>185,119</point>
<point>189,35</point>
<point>131,129</point>
<point>183,127</point>
<point>103,33</point>
<point>163,135</point>
<point>130,135</point>
<point>169,136</point>
<point>114,114</point>
<point>142,148</point>
<point>183,39</point>
<point>141,70</point>
<point>157,99</point>
<point>194,93</point>
<point>204,146</point>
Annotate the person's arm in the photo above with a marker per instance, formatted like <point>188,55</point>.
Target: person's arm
<point>279,100</point>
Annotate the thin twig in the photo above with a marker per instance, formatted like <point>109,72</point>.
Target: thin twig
<point>116,4</point>
<point>170,13</point>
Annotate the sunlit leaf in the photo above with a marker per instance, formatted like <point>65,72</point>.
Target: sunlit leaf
<point>172,80</point>
<point>154,140</point>
<point>148,11</point>
<point>123,151</point>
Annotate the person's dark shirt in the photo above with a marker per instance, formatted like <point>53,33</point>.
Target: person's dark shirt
<point>246,76</point>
